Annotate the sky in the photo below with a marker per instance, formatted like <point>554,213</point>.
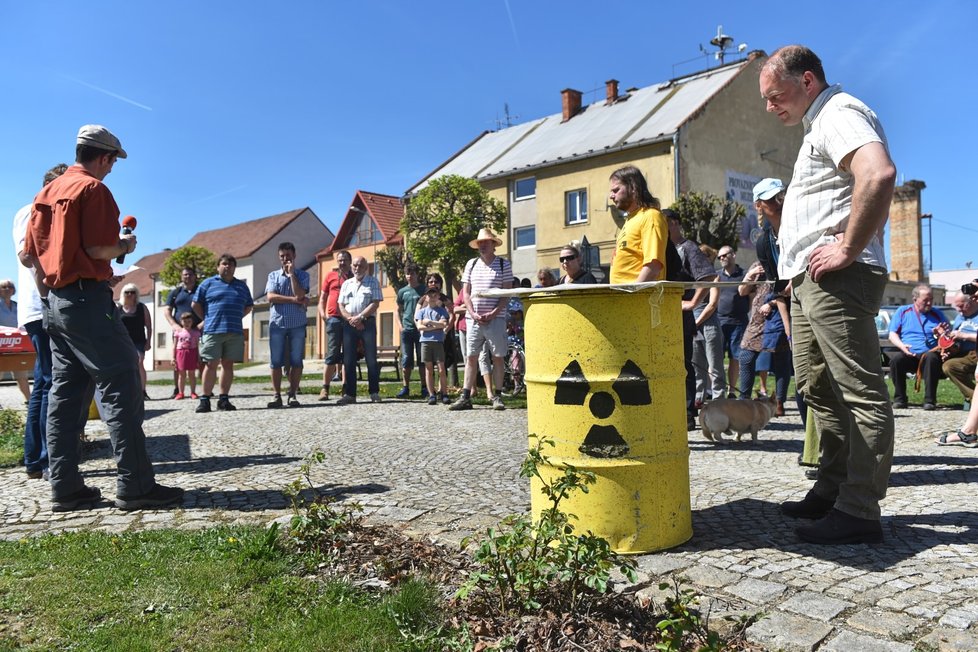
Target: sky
<point>232,111</point>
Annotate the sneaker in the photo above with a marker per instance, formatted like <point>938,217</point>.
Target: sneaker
<point>293,402</point>
<point>445,399</point>
<point>929,406</point>
<point>194,395</point>
<point>839,528</point>
<point>424,392</point>
<point>346,400</point>
<point>224,405</point>
<point>158,496</point>
<point>324,394</point>
<point>203,406</point>
<point>35,475</point>
<point>273,404</point>
<point>461,403</point>
<point>497,403</point>
<point>178,397</point>
<point>336,379</point>
<point>176,390</point>
<point>84,496</point>
<point>432,400</point>
<point>812,506</point>
<point>899,405</point>
<point>375,398</point>
<point>404,393</point>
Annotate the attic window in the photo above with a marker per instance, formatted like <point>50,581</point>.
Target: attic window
<point>366,232</point>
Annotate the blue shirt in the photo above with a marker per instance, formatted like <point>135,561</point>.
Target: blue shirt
<point>915,329</point>
<point>433,314</point>
<point>287,315</point>
<point>966,325</point>
<point>8,316</point>
<point>179,303</point>
<point>224,304</point>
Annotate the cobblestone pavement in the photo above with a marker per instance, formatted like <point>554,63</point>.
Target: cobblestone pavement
<point>446,474</point>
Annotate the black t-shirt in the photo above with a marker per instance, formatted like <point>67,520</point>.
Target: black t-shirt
<point>732,308</point>
<point>179,302</point>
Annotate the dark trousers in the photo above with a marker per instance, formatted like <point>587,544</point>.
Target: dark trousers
<point>689,332</point>
<point>902,364</point>
<point>89,343</point>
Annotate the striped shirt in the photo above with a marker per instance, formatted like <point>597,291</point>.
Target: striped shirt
<point>482,277</point>
<point>356,295</point>
<point>223,304</point>
<point>286,315</point>
<point>819,197</point>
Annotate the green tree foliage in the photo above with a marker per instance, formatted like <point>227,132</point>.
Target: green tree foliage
<point>443,218</point>
<point>392,260</point>
<point>202,260</point>
<point>709,219</point>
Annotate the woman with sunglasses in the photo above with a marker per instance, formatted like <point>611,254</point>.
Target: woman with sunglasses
<point>570,263</point>
<point>135,317</point>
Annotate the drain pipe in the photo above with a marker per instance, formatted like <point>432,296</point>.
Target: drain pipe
<point>675,162</point>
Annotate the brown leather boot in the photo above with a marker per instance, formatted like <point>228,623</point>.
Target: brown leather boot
<point>779,411</point>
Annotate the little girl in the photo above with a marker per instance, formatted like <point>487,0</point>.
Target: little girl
<point>186,338</point>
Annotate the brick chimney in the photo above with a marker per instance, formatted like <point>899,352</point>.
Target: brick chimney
<point>906,250</point>
<point>571,103</point>
<point>611,88</point>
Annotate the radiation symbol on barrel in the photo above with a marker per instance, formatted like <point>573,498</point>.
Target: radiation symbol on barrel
<point>632,388</point>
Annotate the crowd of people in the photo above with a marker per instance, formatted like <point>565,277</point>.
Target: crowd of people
<point>806,309</point>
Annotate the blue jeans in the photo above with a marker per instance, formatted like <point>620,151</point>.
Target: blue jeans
<point>35,431</point>
<point>294,339</point>
<point>334,340</point>
<point>410,348</point>
<point>351,336</point>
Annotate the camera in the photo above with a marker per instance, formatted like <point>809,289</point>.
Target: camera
<point>969,288</point>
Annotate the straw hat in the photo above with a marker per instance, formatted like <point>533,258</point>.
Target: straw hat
<point>485,234</point>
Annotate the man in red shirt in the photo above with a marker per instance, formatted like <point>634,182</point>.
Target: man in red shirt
<point>72,236</point>
<point>329,312</point>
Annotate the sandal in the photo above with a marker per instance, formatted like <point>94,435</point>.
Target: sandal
<point>951,438</point>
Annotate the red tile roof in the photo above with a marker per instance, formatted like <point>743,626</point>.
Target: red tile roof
<point>242,240</point>
<point>386,212</point>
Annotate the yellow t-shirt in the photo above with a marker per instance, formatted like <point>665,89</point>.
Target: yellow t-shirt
<point>641,240</point>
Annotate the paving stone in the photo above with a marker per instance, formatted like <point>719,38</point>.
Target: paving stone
<point>781,631</point>
<point>957,619</point>
<point>757,591</point>
<point>885,623</point>
<point>709,576</point>
<point>815,605</point>
<point>661,564</point>
<point>944,640</point>
<point>847,641</point>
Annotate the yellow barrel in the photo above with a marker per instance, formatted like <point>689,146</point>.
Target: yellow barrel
<point>93,414</point>
<point>606,382</point>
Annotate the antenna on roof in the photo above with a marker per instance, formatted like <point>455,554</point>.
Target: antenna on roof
<point>507,120</point>
<point>722,41</point>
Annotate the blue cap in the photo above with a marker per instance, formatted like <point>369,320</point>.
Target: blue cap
<point>767,188</point>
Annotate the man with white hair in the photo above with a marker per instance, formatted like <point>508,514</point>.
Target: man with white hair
<point>961,361</point>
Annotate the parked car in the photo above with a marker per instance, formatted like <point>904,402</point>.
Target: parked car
<point>883,329</point>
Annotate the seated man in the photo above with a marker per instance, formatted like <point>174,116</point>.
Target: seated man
<point>959,365</point>
<point>912,332</point>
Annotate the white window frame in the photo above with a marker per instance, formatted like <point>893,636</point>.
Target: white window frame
<point>517,229</point>
<point>517,196</point>
<point>567,204</point>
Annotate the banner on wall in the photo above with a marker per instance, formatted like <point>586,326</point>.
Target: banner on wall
<point>740,189</point>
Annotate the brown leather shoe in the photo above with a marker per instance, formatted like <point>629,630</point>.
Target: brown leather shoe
<point>779,411</point>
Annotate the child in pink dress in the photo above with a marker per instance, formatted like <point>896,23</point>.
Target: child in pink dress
<point>187,338</point>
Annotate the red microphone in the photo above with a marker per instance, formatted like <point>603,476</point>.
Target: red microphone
<point>128,226</point>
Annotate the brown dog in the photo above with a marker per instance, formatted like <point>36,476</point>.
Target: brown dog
<point>730,415</point>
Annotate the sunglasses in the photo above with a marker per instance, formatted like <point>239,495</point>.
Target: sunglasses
<point>129,292</point>
<point>564,259</point>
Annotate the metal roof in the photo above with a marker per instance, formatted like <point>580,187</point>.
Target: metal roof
<point>640,116</point>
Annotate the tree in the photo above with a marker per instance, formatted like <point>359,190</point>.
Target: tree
<point>392,260</point>
<point>443,218</point>
<point>710,220</point>
<point>200,259</point>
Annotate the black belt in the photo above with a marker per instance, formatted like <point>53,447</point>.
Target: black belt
<point>84,284</point>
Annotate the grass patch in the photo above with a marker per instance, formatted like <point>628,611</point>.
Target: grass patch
<point>11,438</point>
<point>219,589</point>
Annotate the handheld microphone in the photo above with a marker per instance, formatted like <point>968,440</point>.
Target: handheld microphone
<point>128,226</point>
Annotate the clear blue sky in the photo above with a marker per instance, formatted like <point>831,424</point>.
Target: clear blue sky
<point>232,111</point>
